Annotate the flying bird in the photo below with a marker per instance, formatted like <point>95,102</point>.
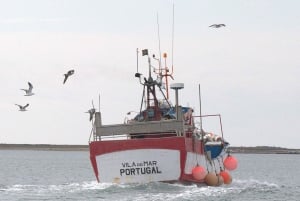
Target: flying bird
<point>22,108</point>
<point>91,112</point>
<point>29,90</point>
<point>217,25</point>
<point>69,73</point>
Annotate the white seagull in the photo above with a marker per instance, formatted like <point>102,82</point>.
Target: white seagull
<point>69,73</point>
<point>217,25</point>
<point>23,108</point>
<point>91,112</point>
<point>29,90</point>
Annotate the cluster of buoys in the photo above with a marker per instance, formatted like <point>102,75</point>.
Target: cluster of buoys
<point>216,179</point>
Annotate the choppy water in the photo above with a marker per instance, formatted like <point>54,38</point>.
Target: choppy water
<point>57,175</point>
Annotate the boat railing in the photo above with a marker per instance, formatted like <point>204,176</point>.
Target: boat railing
<point>140,127</point>
<point>136,129</point>
<point>134,136</point>
<point>171,127</point>
<point>112,137</point>
<point>212,115</point>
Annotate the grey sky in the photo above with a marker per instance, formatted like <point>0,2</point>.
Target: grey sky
<point>248,71</point>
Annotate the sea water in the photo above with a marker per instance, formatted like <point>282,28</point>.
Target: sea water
<point>67,175</point>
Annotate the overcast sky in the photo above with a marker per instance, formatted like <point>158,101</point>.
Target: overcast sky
<point>248,71</point>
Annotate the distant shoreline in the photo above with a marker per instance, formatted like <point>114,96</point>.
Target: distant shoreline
<point>52,147</point>
<point>44,147</point>
<point>263,150</point>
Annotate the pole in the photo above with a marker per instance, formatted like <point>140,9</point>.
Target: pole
<point>200,109</point>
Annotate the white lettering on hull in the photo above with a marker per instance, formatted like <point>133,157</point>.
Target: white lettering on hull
<point>138,166</point>
<point>140,171</point>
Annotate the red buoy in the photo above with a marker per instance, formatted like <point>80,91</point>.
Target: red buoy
<point>230,163</point>
<point>199,172</point>
<point>226,177</point>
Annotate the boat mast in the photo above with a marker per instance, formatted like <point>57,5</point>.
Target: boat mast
<point>152,110</point>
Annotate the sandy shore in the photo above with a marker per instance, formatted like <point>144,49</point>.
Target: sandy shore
<point>51,147</point>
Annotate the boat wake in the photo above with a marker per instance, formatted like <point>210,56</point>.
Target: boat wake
<point>59,187</point>
<point>256,184</point>
<point>149,191</point>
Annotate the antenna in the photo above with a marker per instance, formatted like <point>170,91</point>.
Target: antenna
<point>167,72</point>
<point>137,60</point>
<point>93,104</point>
<point>200,110</point>
<point>173,36</point>
<point>158,35</point>
<point>99,102</point>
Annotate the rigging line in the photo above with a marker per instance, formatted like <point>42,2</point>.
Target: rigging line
<point>92,132</point>
<point>214,166</point>
<point>197,157</point>
<point>193,148</point>
<point>164,96</point>
<point>201,127</point>
<point>206,159</point>
<point>222,159</point>
<point>142,100</point>
<point>220,164</point>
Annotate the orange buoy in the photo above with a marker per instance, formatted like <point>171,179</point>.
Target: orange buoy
<point>226,177</point>
<point>211,179</point>
<point>199,172</point>
<point>230,163</point>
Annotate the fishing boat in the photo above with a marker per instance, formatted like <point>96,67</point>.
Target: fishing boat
<point>162,143</point>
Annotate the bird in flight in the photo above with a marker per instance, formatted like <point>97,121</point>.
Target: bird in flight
<point>217,25</point>
<point>29,90</point>
<point>91,112</point>
<point>22,108</point>
<point>69,73</point>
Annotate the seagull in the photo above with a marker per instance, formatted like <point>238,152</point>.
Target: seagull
<point>91,112</point>
<point>217,25</point>
<point>69,73</point>
<point>23,108</point>
<point>29,90</point>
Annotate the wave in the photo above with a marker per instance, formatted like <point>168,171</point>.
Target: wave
<point>87,185</point>
<point>142,192</point>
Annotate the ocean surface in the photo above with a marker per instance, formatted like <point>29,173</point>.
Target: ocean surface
<point>67,175</point>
